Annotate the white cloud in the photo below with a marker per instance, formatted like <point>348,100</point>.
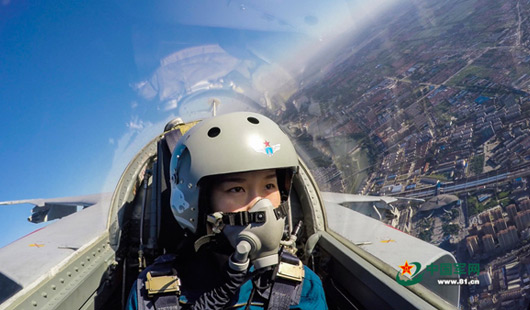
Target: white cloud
<point>170,105</point>
<point>137,124</point>
<point>134,105</point>
<point>111,141</point>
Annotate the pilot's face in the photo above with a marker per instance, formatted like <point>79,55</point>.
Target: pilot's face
<point>240,191</point>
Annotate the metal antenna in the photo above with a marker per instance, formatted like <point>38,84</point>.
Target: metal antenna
<point>214,102</point>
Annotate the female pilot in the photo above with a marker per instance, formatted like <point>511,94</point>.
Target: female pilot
<point>230,180</point>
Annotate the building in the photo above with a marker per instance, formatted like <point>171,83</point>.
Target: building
<point>489,243</point>
<point>512,271</point>
<point>484,217</point>
<point>512,212</point>
<point>472,245</point>
<point>513,294</point>
<point>488,229</point>
<point>524,205</point>
<point>496,213</point>
<point>522,220</point>
<point>500,224</point>
<point>508,238</point>
<point>474,229</point>
<point>497,275</point>
<point>486,300</point>
<point>485,278</point>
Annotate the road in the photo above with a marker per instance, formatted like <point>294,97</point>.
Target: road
<point>464,187</point>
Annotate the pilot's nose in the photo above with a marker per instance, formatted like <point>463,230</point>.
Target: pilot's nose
<point>253,199</point>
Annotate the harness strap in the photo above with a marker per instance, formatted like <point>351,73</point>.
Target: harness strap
<point>283,294</point>
<point>167,302</point>
<point>287,287</point>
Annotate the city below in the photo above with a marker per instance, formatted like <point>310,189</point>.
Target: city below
<point>443,117</point>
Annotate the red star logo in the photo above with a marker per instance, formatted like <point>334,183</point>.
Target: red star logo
<point>267,144</point>
<point>406,268</point>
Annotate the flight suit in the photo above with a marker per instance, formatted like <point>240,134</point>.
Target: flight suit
<point>201,272</point>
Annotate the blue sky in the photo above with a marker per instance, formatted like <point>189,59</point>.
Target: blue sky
<point>66,70</point>
<point>70,111</point>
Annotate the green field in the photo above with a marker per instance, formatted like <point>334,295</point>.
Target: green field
<point>470,71</point>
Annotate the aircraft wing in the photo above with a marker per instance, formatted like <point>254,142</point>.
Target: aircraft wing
<point>55,208</point>
<point>377,207</point>
<point>340,198</point>
<point>67,251</point>
<point>390,245</point>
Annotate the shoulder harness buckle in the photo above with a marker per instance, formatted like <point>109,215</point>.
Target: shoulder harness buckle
<point>289,271</point>
<point>162,284</point>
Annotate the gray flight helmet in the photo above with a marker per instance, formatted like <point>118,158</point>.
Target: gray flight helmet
<point>228,143</point>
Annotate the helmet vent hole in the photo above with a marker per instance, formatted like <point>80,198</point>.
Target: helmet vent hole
<point>214,132</point>
<point>253,120</point>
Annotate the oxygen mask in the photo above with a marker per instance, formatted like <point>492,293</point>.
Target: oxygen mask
<point>255,234</point>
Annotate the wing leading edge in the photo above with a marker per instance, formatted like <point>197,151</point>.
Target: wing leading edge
<point>56,208</point>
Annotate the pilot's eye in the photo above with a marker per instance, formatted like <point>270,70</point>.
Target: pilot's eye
<point>270,186</point>
<point>236,189</point>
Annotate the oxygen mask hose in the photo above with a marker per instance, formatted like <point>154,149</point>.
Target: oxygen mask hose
<point>236,275</point>
<point>239,260</point>
<point>219,297</point>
